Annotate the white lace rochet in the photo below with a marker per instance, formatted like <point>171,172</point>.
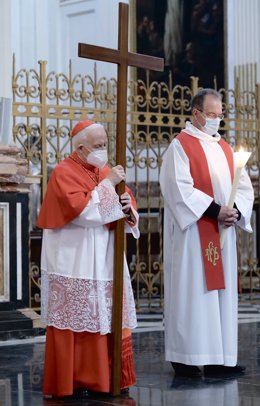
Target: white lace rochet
<point>109,206</point>
<point>83,304</point>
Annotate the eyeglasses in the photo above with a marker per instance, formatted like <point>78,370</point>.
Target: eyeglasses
<point>213,115</point>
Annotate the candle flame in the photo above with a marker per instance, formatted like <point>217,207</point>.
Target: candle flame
<point>241,157</point>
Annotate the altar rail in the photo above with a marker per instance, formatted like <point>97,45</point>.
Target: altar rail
<point>46,105</point>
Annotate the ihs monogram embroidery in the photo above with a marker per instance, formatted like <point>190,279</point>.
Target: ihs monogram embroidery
<point>212,253</point>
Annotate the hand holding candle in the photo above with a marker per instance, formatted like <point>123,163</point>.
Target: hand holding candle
<point>240,159</point>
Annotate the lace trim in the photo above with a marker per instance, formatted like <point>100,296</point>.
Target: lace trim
<point>109,207</point>
<point>83,304</point>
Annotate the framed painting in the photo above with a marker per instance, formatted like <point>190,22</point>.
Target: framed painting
<point>188,34</point>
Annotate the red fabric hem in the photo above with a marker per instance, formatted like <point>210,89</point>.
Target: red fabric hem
<point>127,367</point>
<point>83,360</point>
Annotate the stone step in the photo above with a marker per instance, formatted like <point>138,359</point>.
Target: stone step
<point>16,325</point>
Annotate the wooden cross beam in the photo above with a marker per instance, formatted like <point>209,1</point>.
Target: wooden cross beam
<point>123,58</point>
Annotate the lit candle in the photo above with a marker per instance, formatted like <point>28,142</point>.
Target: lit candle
<point>240,159</point>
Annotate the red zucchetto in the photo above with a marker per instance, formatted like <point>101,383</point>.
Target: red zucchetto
<point>81,125</point>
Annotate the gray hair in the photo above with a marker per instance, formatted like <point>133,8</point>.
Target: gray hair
<point>198,100</point>
<point>81,136</point>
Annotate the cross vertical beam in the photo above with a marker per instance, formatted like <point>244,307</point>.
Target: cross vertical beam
<point>119,231</point>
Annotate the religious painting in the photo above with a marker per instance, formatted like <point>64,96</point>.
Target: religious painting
<point>188,34</point>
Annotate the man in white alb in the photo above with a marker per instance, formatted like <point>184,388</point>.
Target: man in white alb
<point>200,278</point>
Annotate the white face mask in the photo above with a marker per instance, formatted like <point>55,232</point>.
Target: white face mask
<point>212,125</point>
<point>97,158</point>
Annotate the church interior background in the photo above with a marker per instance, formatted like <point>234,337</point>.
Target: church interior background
<point>50,88</point>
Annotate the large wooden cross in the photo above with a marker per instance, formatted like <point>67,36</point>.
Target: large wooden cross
<point>123,58</point>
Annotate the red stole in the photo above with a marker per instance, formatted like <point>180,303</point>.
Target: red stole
<point>208,227</point>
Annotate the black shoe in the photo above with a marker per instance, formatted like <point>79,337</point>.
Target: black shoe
<point>80,393</point>
<point>124,391</point>
<point>189,371</point>
<point>217,370</point>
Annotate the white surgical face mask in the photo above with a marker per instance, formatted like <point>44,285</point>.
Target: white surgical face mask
<point>212,125</point>
<point>97,158</point>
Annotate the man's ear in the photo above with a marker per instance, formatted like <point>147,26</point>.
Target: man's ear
<point>194,112</point>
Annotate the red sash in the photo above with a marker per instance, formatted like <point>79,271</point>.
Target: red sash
<point>208,227</point>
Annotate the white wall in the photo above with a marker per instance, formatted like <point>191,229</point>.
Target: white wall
<point>50,30</point>
<point>35,25</point>
<point>92,22</point>
<point>5,71</point>
<point>5,49</point>
<point>243,35</point>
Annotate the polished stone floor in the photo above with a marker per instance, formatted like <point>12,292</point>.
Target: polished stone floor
<point>21,367</point>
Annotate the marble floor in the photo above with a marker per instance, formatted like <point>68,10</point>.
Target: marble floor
<point>21,367</point>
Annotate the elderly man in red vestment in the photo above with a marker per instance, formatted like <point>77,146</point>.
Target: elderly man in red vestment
<point>78,216</point>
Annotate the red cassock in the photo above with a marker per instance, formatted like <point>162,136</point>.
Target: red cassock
<point>78,359</point>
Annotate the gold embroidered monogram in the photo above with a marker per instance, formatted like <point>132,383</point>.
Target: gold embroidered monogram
<point>212,253</point>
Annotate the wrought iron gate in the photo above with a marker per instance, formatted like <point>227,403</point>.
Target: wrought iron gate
<point>47,105</point>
